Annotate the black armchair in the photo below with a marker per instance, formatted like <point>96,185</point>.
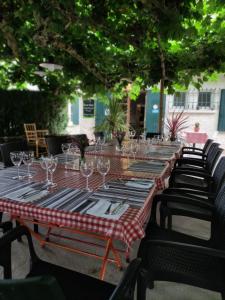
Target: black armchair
<point>69,284</point>
<point>6,148</point>
<point>193,150</point>
<point>172,256</point>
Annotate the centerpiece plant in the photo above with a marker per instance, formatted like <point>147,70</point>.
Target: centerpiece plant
<point>175,124</point>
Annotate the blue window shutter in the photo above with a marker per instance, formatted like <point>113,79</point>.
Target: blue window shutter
<point>75,112</point>
<point>221,120</point>
<point>100,112</point>
<point>151,115</point>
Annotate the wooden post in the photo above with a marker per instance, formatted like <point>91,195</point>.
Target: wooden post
<point>128,113</point>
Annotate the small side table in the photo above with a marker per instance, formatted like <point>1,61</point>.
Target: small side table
<point>196,137</point>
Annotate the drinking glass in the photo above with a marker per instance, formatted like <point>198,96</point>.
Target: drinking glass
<point>16,158</point>
<point>65,149</point>
<point>103,167</point>
<point>134,149</point>
<point>86,169</point>
<point>132,134</point>
<point>46,163</point>
<point>52,168</point>
<point>28,158</point>
<point>101,142</point>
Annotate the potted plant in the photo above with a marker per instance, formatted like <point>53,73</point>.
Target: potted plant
<point>114,122</point>
<point>175,124</point>
<point>197,127</point>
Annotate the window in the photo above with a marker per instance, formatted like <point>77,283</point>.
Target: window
<point>204,100</point>
<point>179,100</point>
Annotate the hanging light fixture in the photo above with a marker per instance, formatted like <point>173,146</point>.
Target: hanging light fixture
<point>50,66</point>
<point>40,73</point>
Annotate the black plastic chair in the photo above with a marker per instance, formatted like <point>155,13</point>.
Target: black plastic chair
<point>150,135</point>
<point>73,285</point>
<point>168,255</point>
<point>54,143</point>
<point>6,148</point>
<point>193,177</point>
<point>191,206</point>
<point>192,150</point>
<point>204,163</point>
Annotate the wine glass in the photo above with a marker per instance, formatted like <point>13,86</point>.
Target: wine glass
<point>134,147</point>
<point>103,166</point>
<point>52,168</point>
<point>65,149</point>
<point>132,134</point>
<point>86,169</point>
<point>46,164</point>
<point>28,158</point>
<point>16,158</point>
<point>101,142</point>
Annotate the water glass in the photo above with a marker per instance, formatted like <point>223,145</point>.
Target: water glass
<point>28,159</point>
<point>134,149</point>
<point>86,169</point>
<point>101,142</point>
<point>103,166</point>
<point>65,149</point>
<point>16,158</point>
<point>52,168</point>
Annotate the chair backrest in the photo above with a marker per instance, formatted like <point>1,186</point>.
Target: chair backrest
<point>218,221</point>
<point>54,143</point>
<point>150,135</point>
<point>31,132</point>
<point>219,174</point>
<point>126,287</point>
<point>207,146</point>
<point>212,158</point>
<point>34,288</point>
<point>20,145</point>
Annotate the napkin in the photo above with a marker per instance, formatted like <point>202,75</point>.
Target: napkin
<point>139,184</point>
<point>16,195</point>
<point>100,208</point>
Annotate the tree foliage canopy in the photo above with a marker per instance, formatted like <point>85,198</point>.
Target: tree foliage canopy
<point>104,45</point>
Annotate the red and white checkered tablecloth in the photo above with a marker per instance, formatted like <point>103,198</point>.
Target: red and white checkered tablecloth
<point>127,229</point>
<point>196,137</point>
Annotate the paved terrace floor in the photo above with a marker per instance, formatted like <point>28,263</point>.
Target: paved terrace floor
<point>162,290</point>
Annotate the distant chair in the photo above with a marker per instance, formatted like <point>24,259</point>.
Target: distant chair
<point>150,135</point>
<point>6,148</point>
<point>35,138</point>
<point>99,134</point>
<point>54,143</point>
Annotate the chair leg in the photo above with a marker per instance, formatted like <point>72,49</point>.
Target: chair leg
<point>141,289</point>
<point>169,220</point>
<point>1,213</point>
<point>19,239</point>
<point>35,227</point>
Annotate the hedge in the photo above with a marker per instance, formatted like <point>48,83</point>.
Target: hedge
<point>19,107</point>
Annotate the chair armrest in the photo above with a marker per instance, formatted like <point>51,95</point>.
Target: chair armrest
<point>188,247</point>
<point>42,132</point>
<point>191,192</point>
<point>165,198</point>
<point>202,155</point>
<point>191,172</point>
<point>190,161</point>
<point>191,148</point>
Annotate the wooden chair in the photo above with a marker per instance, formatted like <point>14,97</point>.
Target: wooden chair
<point>35,137</point>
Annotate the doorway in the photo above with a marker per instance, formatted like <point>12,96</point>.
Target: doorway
<point>137,113</point>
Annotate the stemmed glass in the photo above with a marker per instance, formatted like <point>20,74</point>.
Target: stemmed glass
<point>28,158</point>
<point>101,142</point>
<point>46,163</point>
<point>65,149</point>
<point>52,168</point>
<point>86,169</point>
<point>134,147</point>
<point>132,134</point>
<point>16,158</point>
<point>103,166</point>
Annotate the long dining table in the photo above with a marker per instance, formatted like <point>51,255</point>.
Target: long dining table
<point>104,215</point>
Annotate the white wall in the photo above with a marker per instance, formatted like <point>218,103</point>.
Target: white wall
<point>208,119</point>
<point>86,125</point>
